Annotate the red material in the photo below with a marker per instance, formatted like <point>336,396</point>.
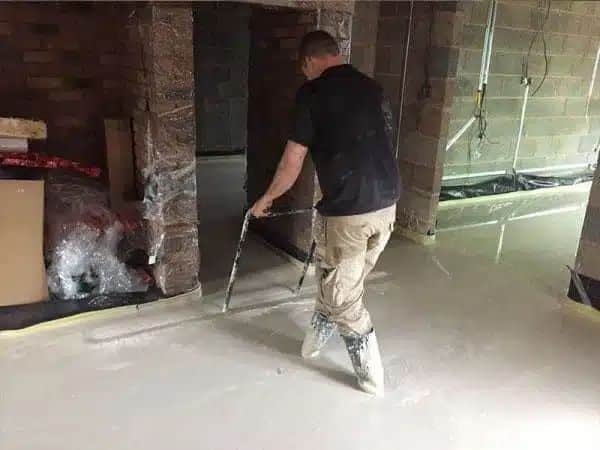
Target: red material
<point>46,161</point>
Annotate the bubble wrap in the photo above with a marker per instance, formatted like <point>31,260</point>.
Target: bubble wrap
<point>82,243</point>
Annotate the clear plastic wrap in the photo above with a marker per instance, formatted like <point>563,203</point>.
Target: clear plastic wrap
<point>171,213</point>
<point>83,237</point>
<point>85,263</point>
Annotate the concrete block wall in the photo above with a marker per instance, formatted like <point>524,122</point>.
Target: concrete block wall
<point>221,47</point>
<point>364,36</point>
<point>556,129</point>
<point>60,63</point>
<point>429,93</point>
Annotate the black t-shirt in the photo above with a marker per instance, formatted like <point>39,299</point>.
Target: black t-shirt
<point>340,117</point>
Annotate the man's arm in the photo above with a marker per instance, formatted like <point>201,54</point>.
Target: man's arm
<point>286,175</point>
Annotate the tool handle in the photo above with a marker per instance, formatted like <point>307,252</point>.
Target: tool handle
<point>283,213</point>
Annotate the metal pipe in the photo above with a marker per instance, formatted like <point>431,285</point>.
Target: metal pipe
<point>307,262</point>
<point>486,56</point>
<point>238,252</point>
<point>521,123</point>
<point>459,133</point>
<point>487,45</point>
<point>236,261</point>
<point>592,82</point>
<point>403,89</point>
<point>502,172</point>
<point>492,25</point>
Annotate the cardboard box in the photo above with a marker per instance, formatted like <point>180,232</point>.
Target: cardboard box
<point>22,270</point>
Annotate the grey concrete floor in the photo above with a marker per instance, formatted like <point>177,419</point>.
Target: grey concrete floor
<point>480,347</point>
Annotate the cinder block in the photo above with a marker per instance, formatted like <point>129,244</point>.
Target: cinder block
<point>473,35</point>
<point>392,30</point>
<point>506,63</point>
<point>575,106</point>
<point>405,168</point>
<point>111,84</point>
<point>555,126</point>
<point>388,8</point>
<point>427,179</point>
<point>469,62</point>
<point>477,13</point>
<point>109,59</point>
<point>416,212</point>
<point>434,121</point>
<point>39,56</point>
<point>68,121</point>
<point>422,150</point>
<point>443,61</point>
<point>66,96</point>
<point>564,146</point>
<point>447,28</point>
<point>578,45</point>
<point>45,29</point>
<point>44,82</point>
<point>5,29</point>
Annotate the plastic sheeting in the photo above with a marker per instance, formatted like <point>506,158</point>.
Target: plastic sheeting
<point>505,184</point>
<point>83,238</point>
<point>170,209</point>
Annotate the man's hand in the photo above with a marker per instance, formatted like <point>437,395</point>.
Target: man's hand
<point>287,172</point>
<point>261,207</point>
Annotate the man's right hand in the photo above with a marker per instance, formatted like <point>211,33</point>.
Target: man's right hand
<point>261,207</point>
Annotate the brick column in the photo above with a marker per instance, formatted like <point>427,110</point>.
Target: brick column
<point>427,101</point>
<point>165,146</point>
<point>587,264</point>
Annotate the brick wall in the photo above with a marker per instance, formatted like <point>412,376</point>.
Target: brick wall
<point>61,64</point>
<point>221,47</point>
<point>136,60</point>
<point>556,130</point>
<point>274,77</point>
<point>430,85</point>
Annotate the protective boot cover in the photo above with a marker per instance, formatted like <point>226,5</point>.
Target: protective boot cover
<point>321,329</point>
<point>365,357</point>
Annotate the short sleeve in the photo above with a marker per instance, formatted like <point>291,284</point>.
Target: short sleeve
<point>302,125</point>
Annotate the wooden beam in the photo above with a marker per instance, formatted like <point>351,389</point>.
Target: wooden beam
<point>119,160</point>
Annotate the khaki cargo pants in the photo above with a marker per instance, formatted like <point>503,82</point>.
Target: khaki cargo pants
<point>347,249</point>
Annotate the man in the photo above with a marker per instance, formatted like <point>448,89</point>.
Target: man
<point>339,116</point>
